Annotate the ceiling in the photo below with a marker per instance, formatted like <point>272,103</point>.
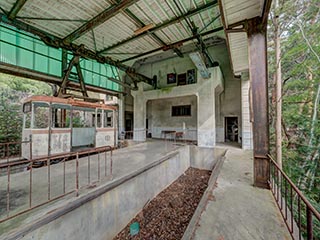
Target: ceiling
<point>108,27</point>
<point>127,30</point>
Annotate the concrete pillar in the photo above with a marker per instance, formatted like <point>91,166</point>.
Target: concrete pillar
<point>139,114</point>
<point>246,125</point>
<point>206,115</point>
<point>121,114</point>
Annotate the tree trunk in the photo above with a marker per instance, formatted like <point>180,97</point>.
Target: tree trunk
<point>278,87</point>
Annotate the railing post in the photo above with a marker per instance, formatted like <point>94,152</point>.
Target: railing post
<point>309,224</point>
<point>77,174</point>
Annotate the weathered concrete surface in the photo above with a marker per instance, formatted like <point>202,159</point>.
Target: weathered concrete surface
<point>140,173</point>
<point>205,158</point>
<point>237,210</point>
<point>204,89</point>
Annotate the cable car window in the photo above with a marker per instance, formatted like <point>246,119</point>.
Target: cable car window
<point>83,117</point>
<point>27,107</point>
<point>108,118</point>
<point>41,115</point>
<point>27,120</point>
<point>98,121</point>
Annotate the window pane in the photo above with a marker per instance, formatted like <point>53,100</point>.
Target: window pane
<point>108,118</point>
<point>41,116</point>
<point>61,118</point>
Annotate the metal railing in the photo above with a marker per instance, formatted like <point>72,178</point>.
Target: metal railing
<point>11,150</point>
<point>50,178</point>
<point>301,218</point>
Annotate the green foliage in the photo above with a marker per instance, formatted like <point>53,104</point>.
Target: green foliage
<point>12,92</point>
<point>301,78</point>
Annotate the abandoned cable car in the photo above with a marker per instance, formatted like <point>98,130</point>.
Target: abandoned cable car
<point>56,125</point>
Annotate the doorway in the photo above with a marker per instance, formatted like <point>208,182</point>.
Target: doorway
<point>231,129</point>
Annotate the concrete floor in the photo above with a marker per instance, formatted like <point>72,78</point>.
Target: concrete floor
<point>236,209</point>
<point>125,161</point>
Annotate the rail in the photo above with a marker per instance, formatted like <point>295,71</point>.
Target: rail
<point>11,150</point>
<point>301,218</point>
<point>66,174</point>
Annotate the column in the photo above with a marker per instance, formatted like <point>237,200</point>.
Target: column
<point>206,115</point>
<point>139,114</point>
<point>246,125</point>
<point>259,79</point>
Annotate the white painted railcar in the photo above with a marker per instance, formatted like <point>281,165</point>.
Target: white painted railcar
<point>56,125</point>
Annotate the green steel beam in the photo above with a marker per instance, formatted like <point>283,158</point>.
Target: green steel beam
<point>16,8</point>
<point>80,50</point>
<point>163,25</point>
<point>27,73</point>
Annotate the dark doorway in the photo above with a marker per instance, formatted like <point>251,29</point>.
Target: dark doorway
<point>128,124</point>
<point>231,129</point>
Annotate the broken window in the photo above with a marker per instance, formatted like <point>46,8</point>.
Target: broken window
<point>108,118</point>
<point>60,116</point>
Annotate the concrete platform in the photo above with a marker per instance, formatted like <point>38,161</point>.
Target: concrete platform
<point>237,210</point>
<point>125,161</point>
<point>140,172</point>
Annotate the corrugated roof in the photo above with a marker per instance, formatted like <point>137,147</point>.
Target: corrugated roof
<point>236,11</point>
<point>62,18</point>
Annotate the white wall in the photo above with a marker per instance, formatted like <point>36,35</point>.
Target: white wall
<point>159,116</point>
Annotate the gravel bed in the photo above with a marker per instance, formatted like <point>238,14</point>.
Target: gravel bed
<point>168,214</point>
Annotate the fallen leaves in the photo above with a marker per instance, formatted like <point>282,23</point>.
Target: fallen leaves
<point>168,214</point>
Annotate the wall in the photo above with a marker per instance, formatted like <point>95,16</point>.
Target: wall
<point>162,68</point>
<point>204,89</point>
<point>228,103</point>
<point>159,116</point>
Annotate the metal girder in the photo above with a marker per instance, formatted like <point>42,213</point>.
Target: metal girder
<point>99,19</point>
<point>65,81</point>
<point>163,25</point>
<point>27,73</point>
<point>16,8</point>
<point>173,45</point>
<point>57,42</point>
<point>155,37</point>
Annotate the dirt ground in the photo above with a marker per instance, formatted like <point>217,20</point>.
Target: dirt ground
<point>168,214</point>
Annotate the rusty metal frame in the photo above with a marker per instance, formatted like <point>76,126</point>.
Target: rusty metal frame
<point>47,160</point>
<point>285,193</point>
<point>173,45</point>
<point>74,62</point>
<point>27,73</point>
<point>163,25</point>
<point>99,19</point>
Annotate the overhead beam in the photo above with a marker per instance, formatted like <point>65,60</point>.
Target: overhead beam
<point>173,45</point>
<point>154,36</point>
<point>99,19</point>
<point>16,8</point>
<point>35,75</point>
<point>56,42</point>
<point>163,25</point>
